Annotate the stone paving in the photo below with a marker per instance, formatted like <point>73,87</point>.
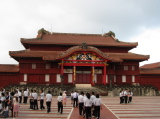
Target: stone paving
<point>142,107</point>
<point>146,107</point>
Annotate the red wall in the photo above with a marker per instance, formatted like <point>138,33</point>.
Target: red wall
<point>8,79</point>
<point>150,80</point>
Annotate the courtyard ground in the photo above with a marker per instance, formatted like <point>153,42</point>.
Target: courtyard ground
<point>142,107</point>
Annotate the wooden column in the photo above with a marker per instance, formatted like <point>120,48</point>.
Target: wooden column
<point>74,74</point>
<point>104,75</point>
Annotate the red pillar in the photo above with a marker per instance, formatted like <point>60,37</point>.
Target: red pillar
<point>92,76</point>
<point>74,74</point>
<point>104,75</point>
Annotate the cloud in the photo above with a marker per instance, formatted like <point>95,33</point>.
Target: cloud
<point>148,44</point>
<point>23,18</point>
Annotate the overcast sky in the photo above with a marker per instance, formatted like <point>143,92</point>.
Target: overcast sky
<point>131,20</point>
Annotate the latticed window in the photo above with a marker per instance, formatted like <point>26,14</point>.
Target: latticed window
<point>125,67</point>
<point>47,78</point>
<point>47,66</point>
<point>58,78</point>
<point>123,78</point>
<point>25,77</point>
<point>33,66</point>
<point>133,78</point>
<point>133,68</point>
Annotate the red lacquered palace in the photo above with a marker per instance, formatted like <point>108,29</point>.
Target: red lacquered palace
<point>79,58</point>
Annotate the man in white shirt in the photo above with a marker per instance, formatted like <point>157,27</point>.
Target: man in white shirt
<point>75,98</point>
<point>35,98</point>
<point>81,103</point>
<point>48,101</point>
<point>97,105</point>
<point>92,99</point>
<point>87,104</point>
<point>41,100</point>
<point>25,93</point>
<point>31,101</point>
<point>60,104</point>
<point>121,97</point>
<point>20,95</point>
<point>126,96</point>
<point>130,94</point>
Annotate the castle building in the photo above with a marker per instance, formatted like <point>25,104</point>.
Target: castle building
<point>71,58</point>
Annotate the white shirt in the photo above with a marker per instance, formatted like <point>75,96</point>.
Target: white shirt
<point>19,93</point>
<point>125,93</point>
<point>88,102</point>
<point>130,94</point>
<point>97,101</point>
<point>71,95</point>
<point>59,98</point>
<point>31,95</point>
<point>93,97</point>
<point>3,98</point>
<point>16,95</point>
<point>80,99</point>
<point>48,98</point>
<point>75,95</point>
<point>25,93</point>
<point>35,96</point>
<point>42,95</point>
<point>120,95</point>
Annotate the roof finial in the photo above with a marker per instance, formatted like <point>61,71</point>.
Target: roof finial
<point>84,45</point>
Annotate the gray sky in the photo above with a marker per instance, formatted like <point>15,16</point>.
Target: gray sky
<point>131,20</point>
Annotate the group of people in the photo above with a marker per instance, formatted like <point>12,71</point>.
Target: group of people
<point>89,104</point>
<point>8,102</point>
<point>125,96</point>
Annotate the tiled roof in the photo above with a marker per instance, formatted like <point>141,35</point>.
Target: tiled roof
<point>54,55</point>
<point>77,39</point>
<point>128,56</point>
<point>9,68</point>
<point>152,65</point>
<point>150,71</point>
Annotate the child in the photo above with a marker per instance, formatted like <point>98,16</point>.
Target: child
<point>15,108</point>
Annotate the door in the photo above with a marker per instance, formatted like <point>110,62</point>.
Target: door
<point>83,78</point>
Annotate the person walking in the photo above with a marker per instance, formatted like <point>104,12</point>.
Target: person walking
<point>97,106</point>
<point>88,104</point>
<point>42,100</point>
<point>121,97</point>
<point>48,101</point>
<point>25,93</point>
<point>130,96</point>
<point>64,96</point>
<point>81,103</point>
<point>20,95</point>
<point>35,98</point>
<point>60,104</point>
<point>75,99</point>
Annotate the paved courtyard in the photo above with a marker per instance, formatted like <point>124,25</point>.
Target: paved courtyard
<point>142,107</point>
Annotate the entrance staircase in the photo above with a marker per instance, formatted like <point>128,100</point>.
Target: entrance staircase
<point>87,88</point>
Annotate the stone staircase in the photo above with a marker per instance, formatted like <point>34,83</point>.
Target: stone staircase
<point>89,89</point>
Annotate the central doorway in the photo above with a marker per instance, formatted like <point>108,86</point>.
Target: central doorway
<point>83,75</point>
<point>83,78</point>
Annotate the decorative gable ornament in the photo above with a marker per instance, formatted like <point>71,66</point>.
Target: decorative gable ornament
<point>84,45</point>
